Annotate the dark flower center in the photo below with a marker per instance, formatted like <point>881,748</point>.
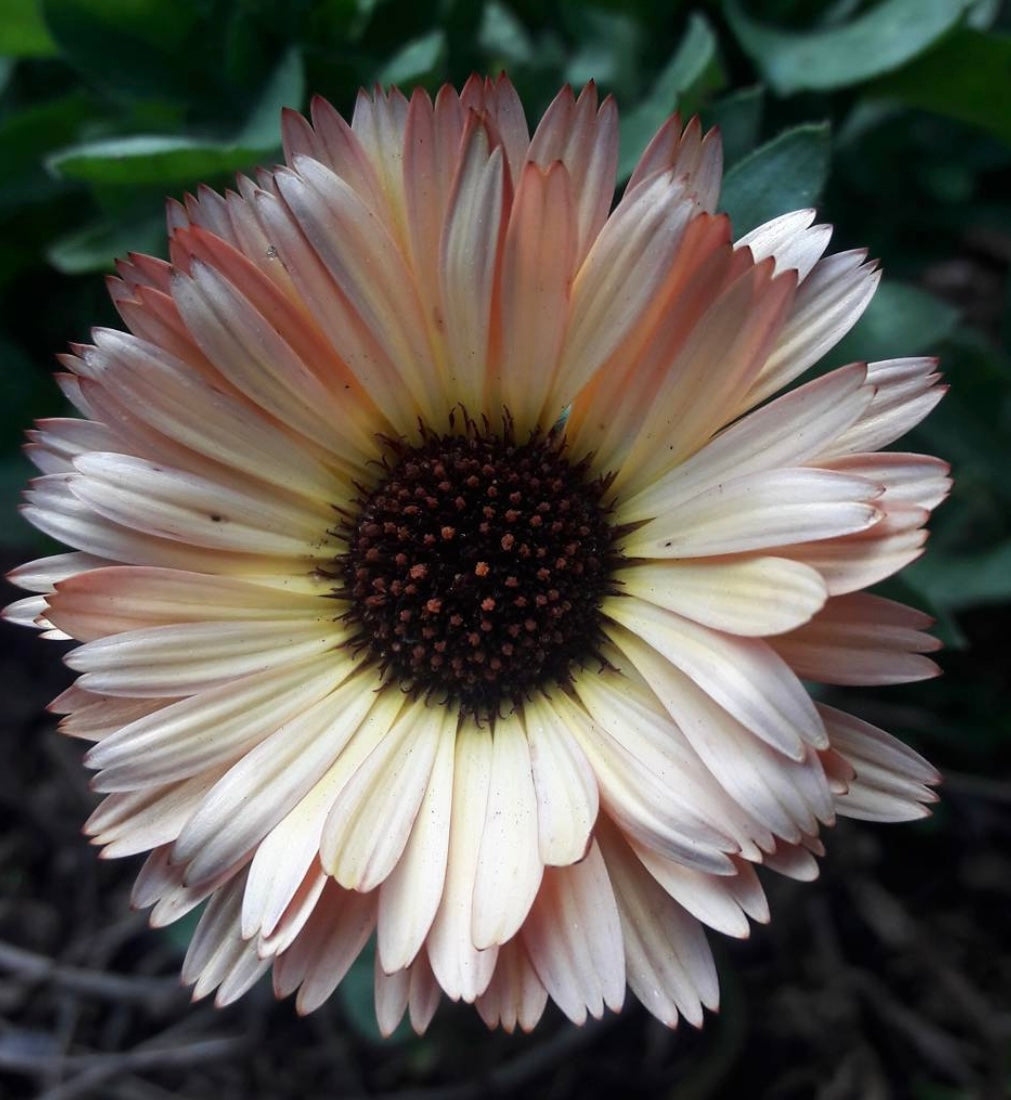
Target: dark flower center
<point>476,567</point>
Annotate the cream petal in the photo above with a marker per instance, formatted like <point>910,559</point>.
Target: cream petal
<point>173,399</point>
<point>786,432</point>
<point>648,783</point>
<point>409,898</point>
<point>391,994</point>
<point>615,292</point>
<point>371,818</point>
<point>859,560</point>
<point>509,866</point>
<point>891,782</point>
<point>759,511</point>
<point>918,480</point>
<point>607,414</point>
<point>565,786</point>
<point>295,916</point>
<point>110,600</point>
<point>460,967</point>
<point>723,352</point>
<point>861,639</point>
<point>55,443</point>
<point>667,959</point>
<point>43,574</point>
<point>55,510</point>
<point>187,658</point>
<point>260,362</point>
<point>794,861</point>
<point>828,304</point>
<point>585,140</point>
<point>791,240</point>
<point>271,779</point>
<point>211,729</point>
<point>905,391</point>
<point>134,821</point>
<point>515,995</point>
<point>176,505</point>
<point>369,269</point>
<point>573,938</point>
<point>746,596</point>
<point>212,948</point>
<point>785,796</point>
<point>325,949</point>
<point>743,675</point>
<point>686,155</point>
<point>712,899</point>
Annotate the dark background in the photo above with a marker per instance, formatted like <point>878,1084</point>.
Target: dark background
<point>891,976</point>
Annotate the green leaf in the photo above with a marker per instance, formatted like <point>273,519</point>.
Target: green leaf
<point>26,137</point>
<point>959,78</point>
<point>784,174</point>
<point>503,37</point>
<point>900,320</point>
<point>129,48</point>
<point>879,41</point>
<point>285,88</point>
<point>415,61</point>
<point>739,117</point>
<point>23,31</point>
<point>690,74</point>
<point>97,246</point>
<point>965,580</point>
<point>152,158</point>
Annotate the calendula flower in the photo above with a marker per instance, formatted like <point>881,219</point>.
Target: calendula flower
<point>446,569</point>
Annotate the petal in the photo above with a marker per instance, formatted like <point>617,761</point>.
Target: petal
<point>574,940</point>
<point>566,788</point>
<point>746,596</point>
<point>861,639</point>
<point>187,658</point>
<point>371,818</point>
<point>538,263</point>
<point>791,240</point>
<point>515,994</point>
<point>784,795</point>
<point>743,675</point>
<point>409,898</point>
<point>509,867</point>
<point>786,432</point>
<point>257,792</point>
<point>759,511</point>
<point>829,303</point>
<point>668,962</point>
<point>210,729</point>
<point>460,967</point>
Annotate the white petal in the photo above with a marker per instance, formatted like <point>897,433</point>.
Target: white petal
<point>462,970</point>
<point>670,967</point>
<point>746,596</point>
<point>567,797</point>
<point>759,511</point>
<point>509,867</point>
<point>410,896</point>
<point>371,818</point>
<point>743,675</point>
<point>573,938</point>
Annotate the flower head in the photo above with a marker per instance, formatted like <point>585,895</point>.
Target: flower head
<point>446,568</point>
